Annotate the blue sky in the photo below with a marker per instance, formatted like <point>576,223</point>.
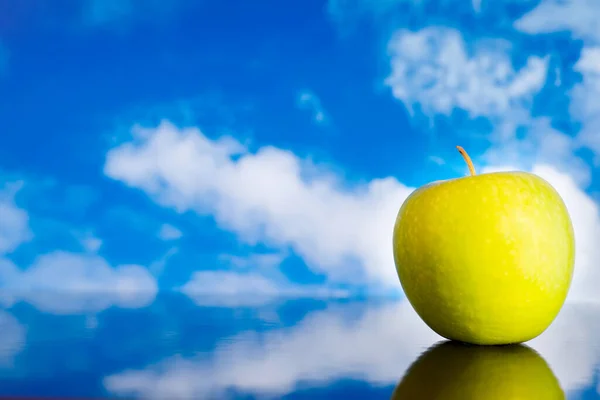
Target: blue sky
<point>223,147</point>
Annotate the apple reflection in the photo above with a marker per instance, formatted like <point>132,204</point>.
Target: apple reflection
<point>450,370</point>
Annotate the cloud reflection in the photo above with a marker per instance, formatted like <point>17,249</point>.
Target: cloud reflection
<point>376,346</point>
<point>176,350</point>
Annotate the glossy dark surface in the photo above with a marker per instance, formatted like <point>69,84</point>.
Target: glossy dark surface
<point>271,348</point>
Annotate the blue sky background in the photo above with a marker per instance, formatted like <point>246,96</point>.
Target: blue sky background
<point>260,149</point>
<point>236,147</point>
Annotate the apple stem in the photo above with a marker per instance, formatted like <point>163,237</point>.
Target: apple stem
<point>467,160</point>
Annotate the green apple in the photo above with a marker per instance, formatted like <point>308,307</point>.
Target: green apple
<point>485,259</point>
<point>451,370</point>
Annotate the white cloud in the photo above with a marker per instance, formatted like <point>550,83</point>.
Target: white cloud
<point>169,232</point>
<point>542,144</point>
<point>158,266</point>
<point>90,242</point>
<point>291,203</point>
<point>378,346</point>
<point>270,196</point>
<point>262,261</point>
<point>580,17</point>
<point>85,281</point>
<point>435,69</point>
<point>12,339</point>
<point>228,283</point>
<point>251,280</point>
<point>436,160</point>
<point>309,101</point>
<point>577,16</point>
<point>14,228</point>
<point>584,104</point>
<point>232,288</point>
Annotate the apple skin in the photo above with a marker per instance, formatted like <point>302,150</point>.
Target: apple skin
<point>454,371</point>
<point>485,259</point>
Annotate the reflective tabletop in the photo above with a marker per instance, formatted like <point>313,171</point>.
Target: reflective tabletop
<point>93,346</point>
